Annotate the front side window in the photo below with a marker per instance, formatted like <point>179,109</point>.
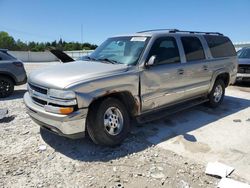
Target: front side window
<point>193,48</point>
<point>166,51</point>
<point>220,46</point>
<point>125,50</point>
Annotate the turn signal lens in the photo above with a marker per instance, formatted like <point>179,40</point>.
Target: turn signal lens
<point>66,110</point>
<point>59,110</point>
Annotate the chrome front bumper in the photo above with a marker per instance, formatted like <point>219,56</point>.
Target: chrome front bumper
<point>247,75</point>
<point>72,125</point>
<point>243,77</point>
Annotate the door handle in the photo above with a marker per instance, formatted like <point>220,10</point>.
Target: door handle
<point>180,71</point>
<point>205,67</point>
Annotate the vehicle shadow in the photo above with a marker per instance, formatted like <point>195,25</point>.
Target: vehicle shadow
<point>7,119</point>
<point>16,95</point>
<point>146,135</point>
<point>242,84</point>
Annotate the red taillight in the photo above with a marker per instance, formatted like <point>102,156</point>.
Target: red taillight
<point>18,64</point>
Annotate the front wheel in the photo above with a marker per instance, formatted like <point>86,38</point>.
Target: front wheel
<point>6,87</point>
<point>216,96</point>
<point>108,122</point>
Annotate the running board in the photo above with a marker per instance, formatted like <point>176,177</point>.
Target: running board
<point>159,114</point>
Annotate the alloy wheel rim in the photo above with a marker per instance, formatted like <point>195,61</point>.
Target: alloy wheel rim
<point>113,121</point>
<point>4,87</point>
<point>218,93</point>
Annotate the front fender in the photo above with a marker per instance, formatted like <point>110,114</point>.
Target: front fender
<point>89,91</point>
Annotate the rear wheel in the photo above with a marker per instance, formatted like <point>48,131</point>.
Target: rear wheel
<point>108,122</point>
<point>6,86</point>
<point>216,96</point>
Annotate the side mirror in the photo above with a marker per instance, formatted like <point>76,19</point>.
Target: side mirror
<point>151,61</point>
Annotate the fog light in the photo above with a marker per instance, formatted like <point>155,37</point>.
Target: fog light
<point>59,110</point>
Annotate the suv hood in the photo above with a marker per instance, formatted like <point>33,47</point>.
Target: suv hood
<point>244,61</point>
<point>63,75</point>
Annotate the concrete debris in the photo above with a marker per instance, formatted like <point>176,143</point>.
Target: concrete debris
<point>229,183</point>
<point>42,148</point>
<point>237,120</point>
<point>218,169</point>
<point>184,184</point>
<point>156,175</point>
<point>24,133</point>
<point>3,113</point>
<point>119,185</point>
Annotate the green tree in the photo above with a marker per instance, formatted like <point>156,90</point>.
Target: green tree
<point>6,41</point>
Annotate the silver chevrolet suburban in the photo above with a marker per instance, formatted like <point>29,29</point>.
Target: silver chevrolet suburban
<point>142,76</point>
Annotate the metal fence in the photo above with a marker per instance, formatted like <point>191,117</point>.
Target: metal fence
<point>28,56</point>
<point>79,53</point>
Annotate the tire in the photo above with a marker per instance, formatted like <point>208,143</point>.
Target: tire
<point>108,122</point>
<point>6,86</point>
<point>216,96</point>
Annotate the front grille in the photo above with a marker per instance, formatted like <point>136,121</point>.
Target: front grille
<point>39,101</point>
<point>39,95</point>
<point>244,69</point>
<point>38,89</point>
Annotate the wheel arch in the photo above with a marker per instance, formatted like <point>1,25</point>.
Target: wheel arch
<point>223,75</point>
<point>9,75</point>
<point>131,103</point>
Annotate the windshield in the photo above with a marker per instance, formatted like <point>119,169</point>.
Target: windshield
<point>124,50</point>
<point>245,54</point>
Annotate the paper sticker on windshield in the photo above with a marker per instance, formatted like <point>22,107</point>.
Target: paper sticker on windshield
<point>139,39</point>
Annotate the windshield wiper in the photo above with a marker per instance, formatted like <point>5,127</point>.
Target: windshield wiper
<point>90,58</point>
<point>109,61</point>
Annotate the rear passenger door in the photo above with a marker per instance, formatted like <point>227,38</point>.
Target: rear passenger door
<point>196,70</point>
<point>162,83</point>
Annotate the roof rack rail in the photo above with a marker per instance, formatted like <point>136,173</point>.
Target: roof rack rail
<point>179,31</point>
<point>193,32</point>
<point>172,30</point>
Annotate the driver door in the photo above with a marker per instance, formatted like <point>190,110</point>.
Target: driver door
<point>162,83</point>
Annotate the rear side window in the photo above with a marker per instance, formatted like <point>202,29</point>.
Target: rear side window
<point>220,46</point>
<point>193,48</point>
<point>5,56</point>
<point>166,50</point>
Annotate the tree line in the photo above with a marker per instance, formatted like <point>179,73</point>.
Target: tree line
<point>8,42</point>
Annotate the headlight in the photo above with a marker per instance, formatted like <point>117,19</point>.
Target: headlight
<point>61,94</point>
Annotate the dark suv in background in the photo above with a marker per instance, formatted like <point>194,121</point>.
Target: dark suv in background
<point>12,73</point>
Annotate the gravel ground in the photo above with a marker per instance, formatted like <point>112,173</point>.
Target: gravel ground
<point>80,163</point>
<point>30,157</point>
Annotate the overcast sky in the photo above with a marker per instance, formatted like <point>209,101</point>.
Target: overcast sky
<point>48,20</point>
